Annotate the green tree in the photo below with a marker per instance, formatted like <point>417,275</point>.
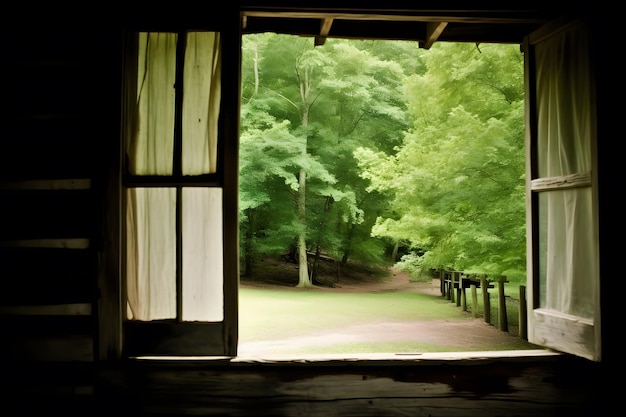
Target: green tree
<point>316,105</point>
<point>458,178</point>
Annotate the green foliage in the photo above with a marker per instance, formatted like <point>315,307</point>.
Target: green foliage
<point>458,179</point>
<point>398,145</point>
<point>307,108</point>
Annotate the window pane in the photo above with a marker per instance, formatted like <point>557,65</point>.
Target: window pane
<point>201,102</point>
<point>566,234</point>
<point>152,142</point>
<point>202,255</point>
<point>151,253</point>
<point>563,105</point>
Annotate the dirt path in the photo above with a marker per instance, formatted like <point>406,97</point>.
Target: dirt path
<point>467,334</point>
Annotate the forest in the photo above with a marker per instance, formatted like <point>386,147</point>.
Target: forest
<point>379,152</point>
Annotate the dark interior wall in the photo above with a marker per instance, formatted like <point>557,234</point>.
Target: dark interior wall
<point>61,89</point>
<point>59,133</point>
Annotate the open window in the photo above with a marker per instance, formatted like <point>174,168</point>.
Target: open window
<point>180,245</point>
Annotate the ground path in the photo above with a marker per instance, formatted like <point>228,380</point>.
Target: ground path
<point>464,334</point>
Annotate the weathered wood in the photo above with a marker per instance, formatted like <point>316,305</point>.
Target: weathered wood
<point>523,312</point>
<point>462,279</point>
<point>229,122</point>
<point>36,214</point>
<point>579,332</point>
<point>522,386</point>
<point>58,338</point>
<point>442,282</point>
<point>320,256</point>
<point>48,148</point>
<point>46,243</point>
<point>486,300</point>
<point>169,337</point>
<point>47,275</point>
<point>452,287</point>
<point>55,184</point>
<point>48,310</point>
<point>474,300</point>
<point>562,183</point>
<point>458,286</point>
<point>503,323</point>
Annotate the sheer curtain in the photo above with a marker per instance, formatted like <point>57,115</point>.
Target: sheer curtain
<point>152,247</point>
<point>568,260</point>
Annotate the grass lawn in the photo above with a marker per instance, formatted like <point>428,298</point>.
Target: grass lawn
<point>273,314</point>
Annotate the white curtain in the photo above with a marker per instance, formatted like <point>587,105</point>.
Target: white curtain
<point>200,102</point>
<point>568,261</point>
<point>151,212</point>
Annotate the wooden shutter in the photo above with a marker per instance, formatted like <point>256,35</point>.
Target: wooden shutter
<point>562,220</point>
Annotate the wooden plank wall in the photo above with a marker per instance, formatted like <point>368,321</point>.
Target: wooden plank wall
<point>60,113</point>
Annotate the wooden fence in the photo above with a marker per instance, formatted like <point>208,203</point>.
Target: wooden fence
<point>454,286</point>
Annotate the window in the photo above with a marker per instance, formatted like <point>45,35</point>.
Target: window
<point>168,188</point>
<point>173,200</point>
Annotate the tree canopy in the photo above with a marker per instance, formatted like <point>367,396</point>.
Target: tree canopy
<point>354,146</point>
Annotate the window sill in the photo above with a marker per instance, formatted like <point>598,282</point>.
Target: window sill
<point>364,359</point>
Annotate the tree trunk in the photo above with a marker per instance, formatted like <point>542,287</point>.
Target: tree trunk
<point>303,266</point>
<point>394,253</point>
<point>303,272</point>
<point>248,246</point>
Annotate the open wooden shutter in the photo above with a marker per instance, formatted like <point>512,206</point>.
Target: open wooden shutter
<point>563,255</point>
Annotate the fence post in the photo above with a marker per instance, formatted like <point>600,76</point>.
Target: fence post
<point>474,300</point>
<point>503,322</point>
<point>452,289</point>
<point>442,282</point>
<point>486,305</point>
<point>523,327</point>
<point>457,279</point>
<point>463,294</point>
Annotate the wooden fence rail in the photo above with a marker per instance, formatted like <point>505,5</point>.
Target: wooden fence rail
<point>454,285</point>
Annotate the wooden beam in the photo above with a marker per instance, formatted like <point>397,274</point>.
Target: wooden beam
<point>433,30</point>
<point>467,16</point>
<point>325,26</point>
<point>58,184</point>
<point>81,309</point>
<point>46,243</point>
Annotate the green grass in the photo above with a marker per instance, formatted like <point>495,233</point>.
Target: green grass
<point>395,347</point>
<point>271,314</point>
<point>274,314</point>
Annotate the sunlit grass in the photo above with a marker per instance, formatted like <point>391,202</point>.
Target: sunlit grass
<point>273,314</point>
<point>380,347</point>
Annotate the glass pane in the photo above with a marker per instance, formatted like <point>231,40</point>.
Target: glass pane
<point>563,105</point>
<point>151,253</point>
<point>566,233</point>
<point>151,146</point>
<point>201,102</point>
<point>203,276</point>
